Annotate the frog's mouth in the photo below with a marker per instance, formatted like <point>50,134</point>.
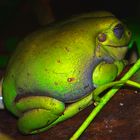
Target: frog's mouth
<point>116,52</point>
<point>119,52</point>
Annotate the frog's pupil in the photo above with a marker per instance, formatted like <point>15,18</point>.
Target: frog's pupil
<point>118,30</point>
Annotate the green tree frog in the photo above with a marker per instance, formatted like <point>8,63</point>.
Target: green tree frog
<point>51,74</point>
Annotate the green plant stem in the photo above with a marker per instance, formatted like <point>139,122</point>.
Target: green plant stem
<point>104,101</point>
<point>102,88</point>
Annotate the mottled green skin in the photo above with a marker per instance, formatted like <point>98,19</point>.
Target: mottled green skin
<point>62,63</point>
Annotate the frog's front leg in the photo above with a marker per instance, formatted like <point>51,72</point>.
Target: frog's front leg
<point>105,73</point>
<point>38,112</point>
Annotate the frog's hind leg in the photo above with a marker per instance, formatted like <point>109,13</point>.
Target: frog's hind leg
<point>37,112</point>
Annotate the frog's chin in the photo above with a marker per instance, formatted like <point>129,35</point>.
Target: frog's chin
<point>117,52</point>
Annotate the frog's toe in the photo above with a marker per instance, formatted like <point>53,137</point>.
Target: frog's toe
<point>97,100</point>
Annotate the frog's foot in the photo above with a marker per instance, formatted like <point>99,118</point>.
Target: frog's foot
<point>37,112</point>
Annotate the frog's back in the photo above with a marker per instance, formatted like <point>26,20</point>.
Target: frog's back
<point>57,62</point>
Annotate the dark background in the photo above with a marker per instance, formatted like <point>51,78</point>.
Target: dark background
<point>20,17</point>
<point>121,8</point>
<point>23,11</point>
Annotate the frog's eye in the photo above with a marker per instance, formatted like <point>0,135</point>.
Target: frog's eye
<point>102,37</point>
<point>118,30</point>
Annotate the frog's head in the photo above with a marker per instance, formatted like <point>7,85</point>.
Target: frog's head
<point>113,39</point>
